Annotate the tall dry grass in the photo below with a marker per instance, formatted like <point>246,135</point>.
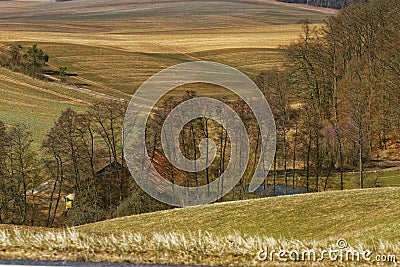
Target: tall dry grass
<point>177,248</point>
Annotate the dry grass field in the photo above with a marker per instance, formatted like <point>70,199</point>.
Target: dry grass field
<point>315,216</point>
<point>123,62</point>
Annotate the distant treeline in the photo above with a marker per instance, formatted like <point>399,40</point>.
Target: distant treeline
<point>338,4</point>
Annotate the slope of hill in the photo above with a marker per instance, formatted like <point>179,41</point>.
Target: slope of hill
<point>362,215</point>
<point>35,103</point>
<point>121,43</point>
<point>228,233</point>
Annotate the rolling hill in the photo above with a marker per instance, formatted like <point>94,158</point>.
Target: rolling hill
<point>34,103</point>
<point>227,233</point>
<point>357,215</point>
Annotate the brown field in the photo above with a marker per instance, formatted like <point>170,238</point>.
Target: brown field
<point>114,47</point>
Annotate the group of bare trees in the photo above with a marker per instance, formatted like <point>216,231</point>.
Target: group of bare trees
<point>83,154</point>
<point>189,139</point>
<point>32,185</point>
<point>19,173</point>
<point>337,98</point>
<point>199,130</point>
<point>76,148</point>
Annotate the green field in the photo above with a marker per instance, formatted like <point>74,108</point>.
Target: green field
<point>350,180</point>
<point>228,233</point>
<point>315,216</point>
<point>34,103</point>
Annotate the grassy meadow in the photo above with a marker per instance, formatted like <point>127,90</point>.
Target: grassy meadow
<point>315,216</point>
<point>389,178</point>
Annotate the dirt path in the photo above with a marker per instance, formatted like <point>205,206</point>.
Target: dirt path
<point>69,87</point>
<point>39,89</point>
<point>83,90</point>
<point>91,92</point>
<point>88,91</point>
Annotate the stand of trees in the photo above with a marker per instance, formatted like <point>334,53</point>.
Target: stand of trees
<point>338,96</point>
<point>77,148</point>
<point>29,61</point>
<point>19,173</point>
<point>338,4</point>
<point>82,154</point>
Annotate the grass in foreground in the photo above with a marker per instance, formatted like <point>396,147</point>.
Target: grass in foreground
<point>176,248</point>
<point>226,233</point>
